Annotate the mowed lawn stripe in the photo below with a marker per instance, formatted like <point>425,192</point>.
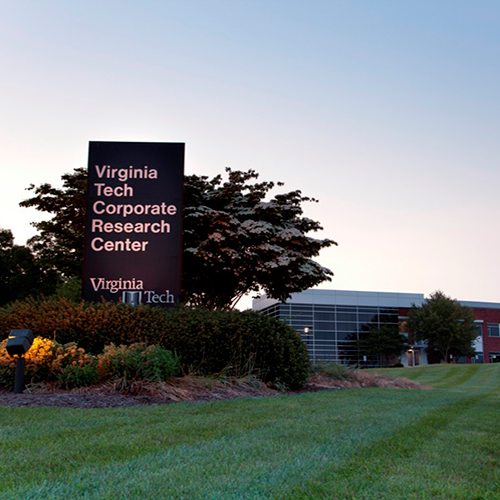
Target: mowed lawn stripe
<point>46,442</point>
<point>461,461</point>
<point>296,438</point>
<point>372,472</point>
<point>456,378</point>
<point>473,378</point>
<point>450,453</point>
<point>432,375</point>
<point>443,375</point>
<point>363,443</point>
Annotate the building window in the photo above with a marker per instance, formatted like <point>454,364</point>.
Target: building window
<point>494,357</point>
<point>493,330</point>
<point>334,330</point>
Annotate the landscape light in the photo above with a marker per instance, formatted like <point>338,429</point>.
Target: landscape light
<point>18,344</point>
<point>307,331</point>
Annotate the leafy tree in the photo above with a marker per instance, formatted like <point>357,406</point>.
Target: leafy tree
<point>379,340</point>
<point>381,343</point>
<point>235,240</point>
<point>70,288</point>
<point>59,244</point>
<point>20,273</point>
<point>445,324</point>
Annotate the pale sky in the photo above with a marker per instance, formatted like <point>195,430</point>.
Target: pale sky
<point>388,112</point>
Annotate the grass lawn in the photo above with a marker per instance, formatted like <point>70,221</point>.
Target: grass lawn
<point>359,444</point>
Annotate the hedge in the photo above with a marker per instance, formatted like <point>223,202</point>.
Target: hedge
<point>206,342</point>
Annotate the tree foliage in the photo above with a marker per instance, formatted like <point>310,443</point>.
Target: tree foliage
<point>236,240</point>
<point>383,343</point>
<point>379,340</point>
<point>59,244</point>
<point>20,273</point>
<point>445,324</point>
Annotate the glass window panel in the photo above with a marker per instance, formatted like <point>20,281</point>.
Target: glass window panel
<point>346,309</point>
<point>324,335</point>
<point>302,319</point>
<point>347,336</point>
<point>368,310</point>
<point>324,316</point>
<point>389,310</point>
<point>301,308</point>
<point>320,353</point>
<point>350,327</point>
<point>342,316</point>
<point>367,317</point>
<point>299,326</point>
<point>493,329</point>
<point>388,319</point>
<point>324,325</point>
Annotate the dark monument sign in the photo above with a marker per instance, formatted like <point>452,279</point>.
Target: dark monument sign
<point>133,233</point>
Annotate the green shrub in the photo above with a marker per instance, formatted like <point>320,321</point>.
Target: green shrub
<point>207,342</point>
<point>7,371</point>
<point>137,362</point>
<point>70,354</point>
<point>91,326</point>
<point>78,376</point>
<point>238,344</point>
<point>119,362</point>
<point>158,364</point>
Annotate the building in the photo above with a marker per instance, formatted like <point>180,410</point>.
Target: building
<point>330,321</point>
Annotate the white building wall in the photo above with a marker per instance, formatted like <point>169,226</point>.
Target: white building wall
<point>345,298</point>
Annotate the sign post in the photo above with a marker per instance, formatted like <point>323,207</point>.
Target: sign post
<point>133,244</point>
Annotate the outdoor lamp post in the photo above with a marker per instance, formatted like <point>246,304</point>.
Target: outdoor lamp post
<point>307,330</point>
<point>411,352</point>
<point>18,344</point>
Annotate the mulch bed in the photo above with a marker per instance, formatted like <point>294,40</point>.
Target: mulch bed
<point>192,389</point>
<point>139,394</point>
<point>75,400</point>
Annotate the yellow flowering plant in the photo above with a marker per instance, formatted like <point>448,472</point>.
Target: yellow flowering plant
<point>46,361</point>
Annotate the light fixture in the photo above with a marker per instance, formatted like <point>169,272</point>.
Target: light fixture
<point>18,344</point>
